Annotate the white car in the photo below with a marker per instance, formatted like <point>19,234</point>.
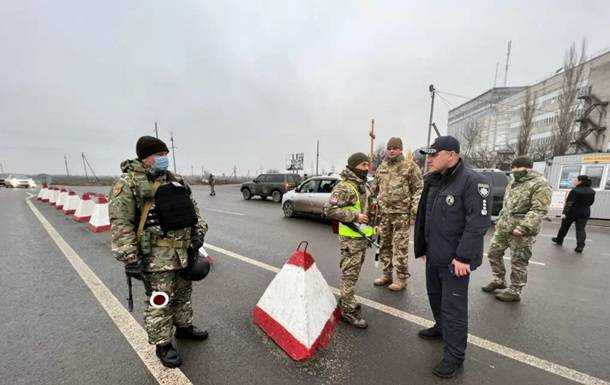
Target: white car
<point>309,197</point>
<point>17,180</point>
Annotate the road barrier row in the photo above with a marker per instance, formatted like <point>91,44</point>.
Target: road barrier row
<point>91,208</point>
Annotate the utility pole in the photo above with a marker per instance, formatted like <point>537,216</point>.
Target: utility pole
<point>1,168</point>
<point>432,92</point>
<point>317,155</point>
<point>85,166</point>
<point>66,162</point>
<point>173,150</point>
<point>202,173</point>
<point>156,131</point>
<point>372,136</point>
<point>235,172</point>
<point>506,67</point>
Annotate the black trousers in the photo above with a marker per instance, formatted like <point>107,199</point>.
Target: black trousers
<point>448,296</point>
<point>581,235</point>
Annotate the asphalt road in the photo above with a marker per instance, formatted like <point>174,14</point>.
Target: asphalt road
<point>55,331</point>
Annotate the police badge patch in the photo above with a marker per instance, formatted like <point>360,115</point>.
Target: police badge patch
<point>450,200</point>
<point>483,190</point>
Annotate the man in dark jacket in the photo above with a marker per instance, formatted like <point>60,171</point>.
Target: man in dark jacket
<point>577,209</point>
<point>452,219</point>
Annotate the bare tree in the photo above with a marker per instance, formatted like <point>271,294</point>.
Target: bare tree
<point>541,149</point>
<point>380,153</point>
<point>527,115</point>
<point>483,158</point>
<point>471,136</point>
<point>573,70</point>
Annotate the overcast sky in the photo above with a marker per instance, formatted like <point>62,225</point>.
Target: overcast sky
<point>247,82</point>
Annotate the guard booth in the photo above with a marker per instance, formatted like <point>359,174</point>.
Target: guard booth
<point>566,168</point>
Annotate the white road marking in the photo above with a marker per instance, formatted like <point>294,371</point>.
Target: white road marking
<point>221,211</point>
<point>133,332</point>
<point>502,350</point>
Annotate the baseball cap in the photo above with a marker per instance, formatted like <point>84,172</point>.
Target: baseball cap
<point>447,143</point>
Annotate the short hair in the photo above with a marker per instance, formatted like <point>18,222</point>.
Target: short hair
<point>584,180</point>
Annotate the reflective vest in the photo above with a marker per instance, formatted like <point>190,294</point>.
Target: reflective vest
<point>345,231</point>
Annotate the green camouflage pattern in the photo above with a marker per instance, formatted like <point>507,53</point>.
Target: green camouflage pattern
<point>352,250</point>
<point>526,203</point>
<point>398,186</point>
<point>521,252</point>
<point>159,323</point>
<point>394,231</point>
<point>127,199</point>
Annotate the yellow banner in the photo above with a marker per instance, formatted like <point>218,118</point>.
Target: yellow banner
<point>599,158</point>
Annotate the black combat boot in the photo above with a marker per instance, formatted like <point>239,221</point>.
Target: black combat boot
<point>191,333</point>
<point>579,249</point>
<point>168,355</point>
<point>557,241</point>
<point>447,368</point>
<point>432,333</point>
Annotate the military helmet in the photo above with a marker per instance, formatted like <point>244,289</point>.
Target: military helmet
<point>198,265</point>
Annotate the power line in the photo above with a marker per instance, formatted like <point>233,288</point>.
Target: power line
<point>446,101</point>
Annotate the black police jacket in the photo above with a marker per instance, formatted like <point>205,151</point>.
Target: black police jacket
<point>459,217</point>
<point>579,201</point>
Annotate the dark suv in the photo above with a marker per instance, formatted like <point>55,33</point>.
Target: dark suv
<point>274,185</point>
<point>498,180</point>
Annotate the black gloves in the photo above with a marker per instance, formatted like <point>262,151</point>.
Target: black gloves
<point>134,270</point>
<point>197,239</point>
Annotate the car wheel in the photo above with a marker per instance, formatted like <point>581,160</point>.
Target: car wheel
<point>288,209</point>
<point>277,196</point>
<point>247,194</point>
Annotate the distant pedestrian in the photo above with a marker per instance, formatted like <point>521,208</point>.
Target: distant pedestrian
<point>526,202</point>
<point>212,182</point>
<point>452,219</point>
<point>577,209</point>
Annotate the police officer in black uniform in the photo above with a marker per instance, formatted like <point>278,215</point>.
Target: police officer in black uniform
<point>452,219</point>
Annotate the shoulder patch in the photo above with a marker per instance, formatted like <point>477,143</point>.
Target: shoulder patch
<point>483,189</point>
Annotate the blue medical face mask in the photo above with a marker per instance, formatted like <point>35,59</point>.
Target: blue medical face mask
<point>161,163</point>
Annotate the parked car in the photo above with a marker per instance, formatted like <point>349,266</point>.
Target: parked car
<point>309,197</point>
<point>498,180</point>
<point>16,180</point>
<point>274,185</point>
<point>3,179</point>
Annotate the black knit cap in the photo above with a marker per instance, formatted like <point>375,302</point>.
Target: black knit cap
<point>522,161</point>
<point>149,145</point>
<point>356,159</point>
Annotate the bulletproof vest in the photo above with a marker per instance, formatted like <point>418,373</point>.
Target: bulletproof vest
<point>174,208</point>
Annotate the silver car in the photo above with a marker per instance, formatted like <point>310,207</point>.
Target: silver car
<point>309,197</point>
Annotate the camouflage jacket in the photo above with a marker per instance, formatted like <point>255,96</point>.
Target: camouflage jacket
<point>127,198</point>
<point>526,203</point>
<point>344,195</point>
<point>398,185</point>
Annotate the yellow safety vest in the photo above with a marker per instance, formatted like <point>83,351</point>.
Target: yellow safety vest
<point>345,231</point>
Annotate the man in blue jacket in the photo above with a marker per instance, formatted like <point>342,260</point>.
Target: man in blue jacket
<point>452,219</point>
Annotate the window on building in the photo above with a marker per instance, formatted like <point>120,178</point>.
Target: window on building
<point>594,172</point>
<point>568,174</point>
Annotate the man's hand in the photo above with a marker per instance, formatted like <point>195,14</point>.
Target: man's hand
<point>134,270</point>
<point>362,218</point>
<point>460,269</point>
<point>424,258</point>
<point>517,233</point>
<point>197,240</point>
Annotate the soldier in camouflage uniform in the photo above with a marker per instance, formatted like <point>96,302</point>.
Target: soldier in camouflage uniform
<point>398,185</point>
<point>349,203</point>
<point>526,203</point>
<point>152,254</point>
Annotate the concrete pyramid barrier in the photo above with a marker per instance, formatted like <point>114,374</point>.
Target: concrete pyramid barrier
<point>100,220</point>
<point>61,199</point>
<point>72,203</point>
<point>298,310</point>
<point>85,208</point>
<point>41,192</point>
<point>46,194</point>
<point>54,196</point>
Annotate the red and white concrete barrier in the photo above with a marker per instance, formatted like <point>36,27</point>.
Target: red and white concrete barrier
<point>298,310</point>
<point>61,200</point>
<point>46,194</point>
<point>54,196</point>
<point>41,192</point>
<point>100,220</point>
<point>85,208</point>
<point>72,203</point>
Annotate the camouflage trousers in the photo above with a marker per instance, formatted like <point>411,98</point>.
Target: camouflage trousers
<point>521,252</point>
<point>394,232</point>
<point>353,251</point>
<point>159,323</point>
